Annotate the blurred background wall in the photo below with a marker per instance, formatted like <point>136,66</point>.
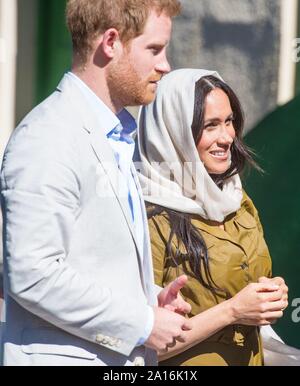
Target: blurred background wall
<point>252,45</point>
<point>240,39</point>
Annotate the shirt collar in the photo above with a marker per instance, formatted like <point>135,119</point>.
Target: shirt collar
<point>108,118</point>
<point>128,122</point>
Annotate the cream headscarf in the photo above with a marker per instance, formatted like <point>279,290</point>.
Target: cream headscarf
<point>165,136</point>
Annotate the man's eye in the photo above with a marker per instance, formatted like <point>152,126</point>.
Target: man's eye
<point>155,50</point>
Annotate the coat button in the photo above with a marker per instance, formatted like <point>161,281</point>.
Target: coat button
<point>100,338</point>
<point>244,266</point>
<point>139,361</point>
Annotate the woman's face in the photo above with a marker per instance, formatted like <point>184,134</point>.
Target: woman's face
<point>218,134</point>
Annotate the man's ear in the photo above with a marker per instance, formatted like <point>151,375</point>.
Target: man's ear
<point>111,43</point>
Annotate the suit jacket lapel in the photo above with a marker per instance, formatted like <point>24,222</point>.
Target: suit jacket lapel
<point>107,159</point>
<point>104,153</point>
<point>147,254</point>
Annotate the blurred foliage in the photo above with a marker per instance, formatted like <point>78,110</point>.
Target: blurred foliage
<point>54,47</point>
<point>298,64</point>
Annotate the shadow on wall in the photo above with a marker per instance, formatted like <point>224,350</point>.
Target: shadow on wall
<point>277,197</point>
<point>1,276</point>
<point>1,255</point>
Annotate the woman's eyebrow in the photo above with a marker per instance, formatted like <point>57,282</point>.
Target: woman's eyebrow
<point>211,120</point>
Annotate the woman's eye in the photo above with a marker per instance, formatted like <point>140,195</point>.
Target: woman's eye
<point>211,126</point>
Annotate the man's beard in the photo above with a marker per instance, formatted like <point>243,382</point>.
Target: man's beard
<point>126,87</point>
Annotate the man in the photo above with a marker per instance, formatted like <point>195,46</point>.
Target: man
<point>78,280</point>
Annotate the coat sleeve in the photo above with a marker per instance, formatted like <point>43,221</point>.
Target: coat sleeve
<point>40,194</point>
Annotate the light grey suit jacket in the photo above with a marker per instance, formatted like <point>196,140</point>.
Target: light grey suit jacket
<point>76,285</point>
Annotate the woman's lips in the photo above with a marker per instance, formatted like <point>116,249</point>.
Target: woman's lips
<point>220,155</point>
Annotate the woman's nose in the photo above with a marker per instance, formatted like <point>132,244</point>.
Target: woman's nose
<point>224,136</point>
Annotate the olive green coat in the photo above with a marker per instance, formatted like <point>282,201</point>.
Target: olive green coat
<point>238,256</point>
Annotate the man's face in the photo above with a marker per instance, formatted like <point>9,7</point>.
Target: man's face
<point>133,77</point>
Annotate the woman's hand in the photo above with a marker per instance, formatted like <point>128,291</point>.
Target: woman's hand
<point>281,283</point>
<point>258,304</point>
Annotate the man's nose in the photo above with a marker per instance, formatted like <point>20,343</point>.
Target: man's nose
<point>163,66</point>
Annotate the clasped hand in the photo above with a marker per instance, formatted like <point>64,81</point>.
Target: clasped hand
<point>170,324</point>
<point>260,303</point>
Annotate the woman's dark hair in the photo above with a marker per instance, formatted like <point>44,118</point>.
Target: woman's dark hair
<point>195,260</point>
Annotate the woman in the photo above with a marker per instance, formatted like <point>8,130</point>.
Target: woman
<point>203,224</point>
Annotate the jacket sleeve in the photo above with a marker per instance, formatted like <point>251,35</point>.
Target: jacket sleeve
<point>40,193</point>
